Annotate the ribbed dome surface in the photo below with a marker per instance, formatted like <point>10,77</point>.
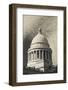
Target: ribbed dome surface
<point>39,41</point>
<point>39,38</point>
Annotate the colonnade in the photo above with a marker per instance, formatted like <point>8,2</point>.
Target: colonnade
<point>39,54</point>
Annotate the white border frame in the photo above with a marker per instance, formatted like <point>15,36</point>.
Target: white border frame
<point>44,77</point>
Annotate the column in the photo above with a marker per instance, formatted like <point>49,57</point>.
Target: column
<point>29,56</point>
<point>32,55</point>
<point>36,55</point>
<point>39,54</point>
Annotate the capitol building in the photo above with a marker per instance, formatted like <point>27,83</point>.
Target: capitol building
<point>39,53</point>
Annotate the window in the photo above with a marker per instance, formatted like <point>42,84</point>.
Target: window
<point>41,54</point>
<point>38,54</point>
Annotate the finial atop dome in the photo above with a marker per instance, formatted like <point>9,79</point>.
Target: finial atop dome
<point>40,30</point>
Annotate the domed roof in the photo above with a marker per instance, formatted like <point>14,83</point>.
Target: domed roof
<point>39,41</point>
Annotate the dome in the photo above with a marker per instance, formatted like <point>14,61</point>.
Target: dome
<point>39,41</point>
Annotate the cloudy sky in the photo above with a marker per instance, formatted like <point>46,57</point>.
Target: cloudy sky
<point>48,24</point>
